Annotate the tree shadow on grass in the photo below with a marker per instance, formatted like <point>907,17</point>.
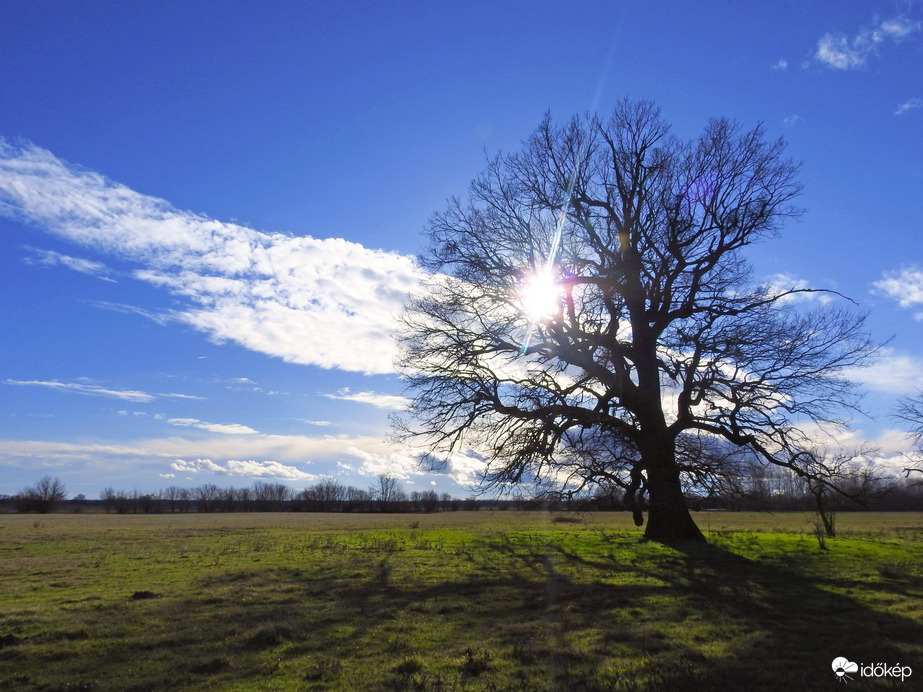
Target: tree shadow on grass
<point>523,613</point>
<point>694,617</point>
<point>783,629</point>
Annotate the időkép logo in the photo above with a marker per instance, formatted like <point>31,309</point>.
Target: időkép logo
<point>845,670</point>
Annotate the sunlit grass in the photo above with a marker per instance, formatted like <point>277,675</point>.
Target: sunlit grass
<point>461,601</point>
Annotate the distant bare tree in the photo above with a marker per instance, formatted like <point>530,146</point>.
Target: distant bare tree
<point>268,496</point>
<point>244,497</point>
<point>329,490</point>
<point>206,497</point>
<point>171,498</point>
<point>425,500</point>
<point>844,474</point>
<point>910,410</point>
<point>185,499</point>
<point>325,496</point>
<point>44,496</point>
<point>388,489</point>
<point>359,498</point>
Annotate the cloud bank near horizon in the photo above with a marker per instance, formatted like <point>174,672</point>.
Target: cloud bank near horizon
<point>252,455</point>
<point>325,302</point>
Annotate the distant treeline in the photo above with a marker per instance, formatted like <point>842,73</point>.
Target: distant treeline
<point>327,496</point>
<point>769,491</point>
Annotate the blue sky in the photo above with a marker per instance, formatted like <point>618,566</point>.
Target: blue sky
<point>208,211</point>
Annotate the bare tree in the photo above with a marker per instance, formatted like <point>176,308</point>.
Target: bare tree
<point>910,410</point>
<point>270,496</point>
<point>329,491</point>
<point>590,315</point>
<point>388,489</point>
<point>359,499</point>
<point>42,497</point>
<point>206,497</point>
<point>325,496</point>
<point>171,496</point>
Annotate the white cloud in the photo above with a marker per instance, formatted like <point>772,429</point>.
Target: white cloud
<point>834,50</point>
<point>195,466</point>
<point>892,372</point>
<point>781,65</point>
<point>96,390</point>
<point>285,449</point>
<point>462,467</point>
<point>88,389</point>
<point>267,468</point>
<point>282,456</point>
<point>296,298</point>
<point>904,285</point>
<point>466,468</point>
<point>248,468</point>
<point>159,318</point>
<point>909,105</point>
<point>181,396</point>
<point>50,258</point>
<point>387,401</point>
<point>839,52</point>
<point>399,464</point>
<point>780,283</point>
<point>898,28</point>
<point>224,429</point>
<point>792,119</point>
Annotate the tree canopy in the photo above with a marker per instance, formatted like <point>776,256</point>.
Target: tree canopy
<point>591,317</point>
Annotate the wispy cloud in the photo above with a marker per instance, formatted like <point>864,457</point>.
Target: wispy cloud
<point>291,449</point>
<point>88,389</point>
<point>909,105</point>
<point>295,298</point>
<point>904,285</point>
<point>840,52</point>
<point>781,65</point>
<point>222,428</point>
<point>158,317</point>
<point>50,258</point>
<point>388,401</point>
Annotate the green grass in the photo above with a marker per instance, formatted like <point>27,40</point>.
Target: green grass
<point>461,601</point>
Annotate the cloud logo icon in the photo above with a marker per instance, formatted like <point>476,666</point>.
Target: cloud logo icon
<point>841,666</point>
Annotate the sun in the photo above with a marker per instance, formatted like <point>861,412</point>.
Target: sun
<point>540,296</point>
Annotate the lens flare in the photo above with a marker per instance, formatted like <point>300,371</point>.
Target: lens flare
<point>540,297</point>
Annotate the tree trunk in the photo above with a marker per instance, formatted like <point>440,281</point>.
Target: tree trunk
<point>668,518</point>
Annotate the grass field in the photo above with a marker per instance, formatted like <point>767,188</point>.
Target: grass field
<point>457,601</point>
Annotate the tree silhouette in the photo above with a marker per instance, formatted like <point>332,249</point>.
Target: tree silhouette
<point>44,496</point>
<point>910,410</point>
<point>590,316</point>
